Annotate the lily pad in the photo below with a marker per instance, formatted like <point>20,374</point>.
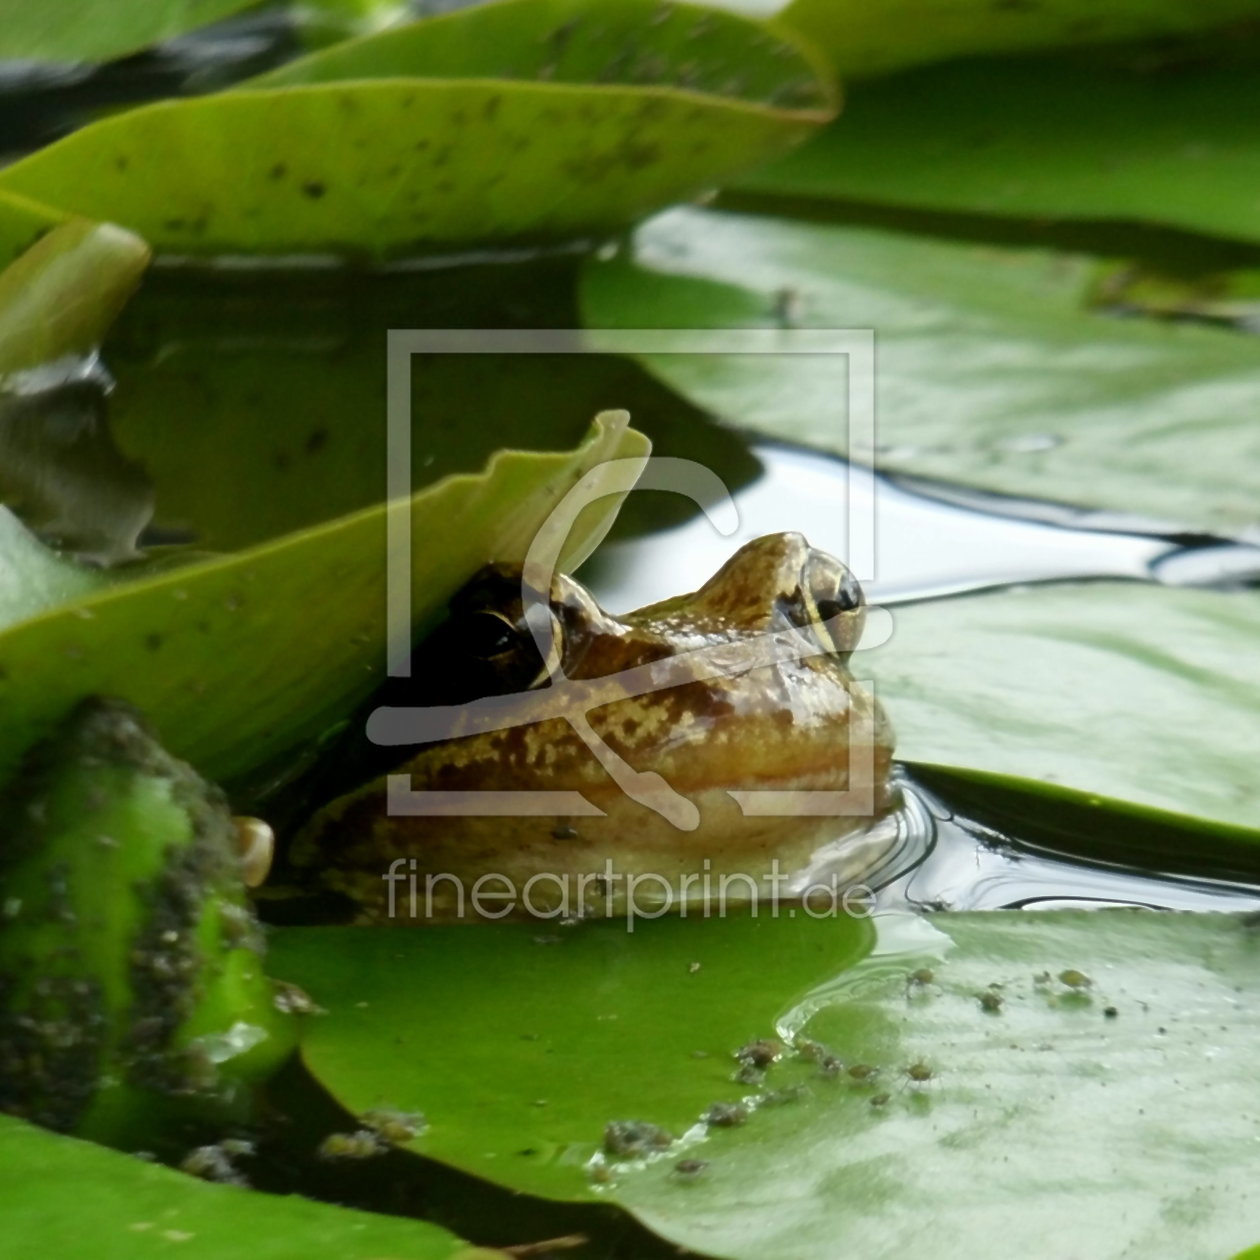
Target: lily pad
<point>1042,1116</point>
<point>100,30</point>
<point>991,369</point>
<point>239,660</point>
<point>22,223</point>
<point>1045,139</point>
<point>1121,690</point>
<point>864,39</point>
<point>126,1209</point>
<point>681,46</point>
<point>34,578</point>
<point>1033,1117</point>
<point>379,167</point>
<point>520,1042</point>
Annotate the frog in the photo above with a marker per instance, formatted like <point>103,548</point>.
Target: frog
<point>700,744</point>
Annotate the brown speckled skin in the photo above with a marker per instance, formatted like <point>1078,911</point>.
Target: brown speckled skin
<point>779,726</point>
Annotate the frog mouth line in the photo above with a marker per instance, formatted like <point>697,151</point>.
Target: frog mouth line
<point>572,699</point>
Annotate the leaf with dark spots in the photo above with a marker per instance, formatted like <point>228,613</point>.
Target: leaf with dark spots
<point>258,678</point>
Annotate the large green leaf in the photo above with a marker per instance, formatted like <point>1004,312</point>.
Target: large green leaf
<point>1046,1117</point>
<point>519,1044</point>
<point>688,47</point>
<point>1123,690</point>
<point>238,660</point>
<point>71,1199</point>
<point>866,39</point>
<point>990,368</point>
<point>1046,139</point>
<point>99,30</point>
<point>397,165</point>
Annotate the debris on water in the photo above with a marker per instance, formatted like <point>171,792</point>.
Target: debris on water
<point>726,1115</point>
<point>629,1139</point>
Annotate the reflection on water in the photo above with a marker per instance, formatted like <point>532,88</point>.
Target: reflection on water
<point>930,539</point>
<point>60,470</point>
<point>944,860</point>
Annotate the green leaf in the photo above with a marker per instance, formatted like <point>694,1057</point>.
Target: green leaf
<point>1120,690</point>
<point>100,30</point>
<point>1096,829</point>
<point>1047,1117</point>
<point>687,47</point>
<point>238,660</point>
<point>1045,140</point>
<point>56,467</point>
<point>390,166</point>
<point>865,39</point>
<point>22,223</point>
<point>282,396</point>
<point>519,1045</point>
<point>60,1196</point>
<point>34,578</point>
<point>991,371</point>
<point>63,293</point>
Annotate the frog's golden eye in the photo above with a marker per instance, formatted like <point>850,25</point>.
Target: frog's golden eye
<point>833,601</point>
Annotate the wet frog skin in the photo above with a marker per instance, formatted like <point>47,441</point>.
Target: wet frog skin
<point>768,705</point>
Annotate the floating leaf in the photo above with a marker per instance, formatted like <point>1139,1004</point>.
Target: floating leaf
<point>991,371</point>
<point>376,168</point>
<point>524,1040</point>
<point>239,660</point>
<point>122,1208</point>
<point>33,577</point>
<point>99,30</point>
<point>1123,690</point>
<point>1114,1117</point>
<point>22,223</point>
<point>1044,140</point>
<point>687,47</point>
<point>1042,1117</point>
<point>865,39</point>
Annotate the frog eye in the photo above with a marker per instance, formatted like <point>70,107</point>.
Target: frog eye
<point>834,602</point>
<point>486,634</point>
<point>504,651</point>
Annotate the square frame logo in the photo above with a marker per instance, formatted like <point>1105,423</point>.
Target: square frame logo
<point>573,699</point>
